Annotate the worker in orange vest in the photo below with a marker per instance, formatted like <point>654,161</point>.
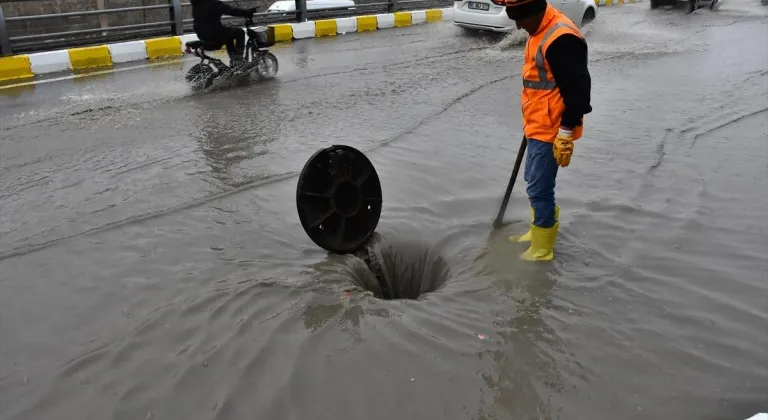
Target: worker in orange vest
<point>555,98</point>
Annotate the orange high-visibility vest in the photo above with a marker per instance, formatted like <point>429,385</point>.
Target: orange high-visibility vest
<point>541,101</point>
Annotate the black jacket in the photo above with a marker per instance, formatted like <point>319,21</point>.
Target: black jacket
<point>206,16</point>
<point>567,59</point>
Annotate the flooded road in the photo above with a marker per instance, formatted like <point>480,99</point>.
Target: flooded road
<point>152,264</point>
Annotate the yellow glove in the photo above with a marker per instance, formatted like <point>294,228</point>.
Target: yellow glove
<point>563,147</point>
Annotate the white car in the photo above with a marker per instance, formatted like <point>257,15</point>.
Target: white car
<point>491,15</point>
<point>290,5</point>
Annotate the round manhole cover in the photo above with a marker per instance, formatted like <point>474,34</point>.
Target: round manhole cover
<point>338,198</point>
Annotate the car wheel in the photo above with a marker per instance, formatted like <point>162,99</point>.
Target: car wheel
<point>655,4</point>
<point>589,16</point>
<point>691,6</point>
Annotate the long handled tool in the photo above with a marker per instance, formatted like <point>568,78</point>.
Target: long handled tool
<point>515,170</point>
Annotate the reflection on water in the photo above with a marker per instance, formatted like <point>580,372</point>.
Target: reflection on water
<point>302,58</point>
<point>526,371</point>
<point>317,315</point>
<point>15,91</point>
<point>228,136</point>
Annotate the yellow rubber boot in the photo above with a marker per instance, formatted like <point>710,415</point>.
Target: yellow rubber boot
<point>526,237</point>
<point>542,243</point>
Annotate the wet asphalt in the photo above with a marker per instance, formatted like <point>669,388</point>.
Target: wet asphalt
<point>152,264</point>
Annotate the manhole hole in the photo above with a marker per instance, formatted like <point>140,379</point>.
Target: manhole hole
<point>339,201</point>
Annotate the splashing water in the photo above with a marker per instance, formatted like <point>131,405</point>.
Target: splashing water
<point>519,37</point>
<point>513,39</point>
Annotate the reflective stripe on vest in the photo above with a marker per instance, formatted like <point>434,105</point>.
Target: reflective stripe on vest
<point>543,83</point>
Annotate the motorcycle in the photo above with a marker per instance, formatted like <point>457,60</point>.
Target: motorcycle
<point>257,58</point>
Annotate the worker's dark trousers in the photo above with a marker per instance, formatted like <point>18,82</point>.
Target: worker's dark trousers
<point>540,173</point>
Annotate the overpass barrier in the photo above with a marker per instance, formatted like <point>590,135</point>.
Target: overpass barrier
<point>43,25</point>
<point>23,67</point>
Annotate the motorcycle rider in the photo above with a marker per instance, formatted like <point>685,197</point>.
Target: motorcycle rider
<point>206,16</point>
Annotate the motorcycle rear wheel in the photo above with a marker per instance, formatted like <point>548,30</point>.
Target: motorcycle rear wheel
<point>200,76</point>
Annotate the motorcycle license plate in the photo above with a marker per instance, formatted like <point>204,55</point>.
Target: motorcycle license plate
<point>478,6</point>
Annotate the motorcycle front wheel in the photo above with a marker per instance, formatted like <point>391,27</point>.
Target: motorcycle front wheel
<point>266,64</point>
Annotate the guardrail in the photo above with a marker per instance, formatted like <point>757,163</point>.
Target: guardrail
<point>26,33</point>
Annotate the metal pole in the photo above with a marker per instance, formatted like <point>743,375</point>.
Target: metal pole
<point>103,22</point>
<point>511,184</point>
<point>5,41</point>
<point>301,9</point>
<point>177,17</point>
<point>391,6</point>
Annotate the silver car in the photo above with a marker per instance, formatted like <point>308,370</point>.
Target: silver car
<point>490,15</point>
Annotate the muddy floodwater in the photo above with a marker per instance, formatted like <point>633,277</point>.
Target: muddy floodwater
<point>152,263</point>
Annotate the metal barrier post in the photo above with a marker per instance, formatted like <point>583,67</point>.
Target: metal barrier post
<point>177,17</point>
<point>5,41</point>
<point>301,10</point>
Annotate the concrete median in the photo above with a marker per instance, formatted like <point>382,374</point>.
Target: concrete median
<point>23,67</point>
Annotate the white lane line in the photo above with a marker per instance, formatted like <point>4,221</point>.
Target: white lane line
<point>92,73</point>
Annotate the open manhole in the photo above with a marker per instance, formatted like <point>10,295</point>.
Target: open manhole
<point>339,201</point>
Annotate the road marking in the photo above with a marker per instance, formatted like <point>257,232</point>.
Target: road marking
<point>91,73</point>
